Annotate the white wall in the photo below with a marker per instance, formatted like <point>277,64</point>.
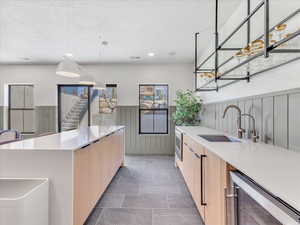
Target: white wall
<point>127,76</point>
<point>283,78</point>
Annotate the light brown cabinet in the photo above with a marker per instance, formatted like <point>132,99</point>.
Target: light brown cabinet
<point>94,167</point>
<point>188,173</point>
<point>214,186</point>
<point>82,179</point>
<point>205,176</point>
<point>198,166</point>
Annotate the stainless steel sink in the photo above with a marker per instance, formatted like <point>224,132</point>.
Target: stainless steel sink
<point>218,138</point>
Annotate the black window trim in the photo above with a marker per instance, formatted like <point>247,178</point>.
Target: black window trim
<point>59,87</point>
<point>157,109</point>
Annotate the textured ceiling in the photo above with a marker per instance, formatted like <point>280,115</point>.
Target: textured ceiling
<point>44,30</point>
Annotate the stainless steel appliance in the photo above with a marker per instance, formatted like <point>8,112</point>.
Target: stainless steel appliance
<point>178,144</point>
<point>253,205</point>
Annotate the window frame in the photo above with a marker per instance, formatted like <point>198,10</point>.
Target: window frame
<point>59,87</point>
<point>154,110</point>
<point>108,86</point>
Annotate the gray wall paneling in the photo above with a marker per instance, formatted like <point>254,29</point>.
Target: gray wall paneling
<point>241,104</point>
<point>214,117</point>
<point>277,117</point>
<point>268,120</point>
<point>281,121</point>
<point>144,144</point>
<point>218,117</point>
<point>234,120</point>
<point>228,119</point>
<point>257,113</point>
<point>212,113</point>
<point>248,107</point>
<point>294,121</point>
<point>224,123</point>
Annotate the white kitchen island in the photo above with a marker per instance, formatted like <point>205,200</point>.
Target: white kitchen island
<point>79,165</point>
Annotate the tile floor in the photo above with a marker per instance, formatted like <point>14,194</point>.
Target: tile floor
<point>149,190</point>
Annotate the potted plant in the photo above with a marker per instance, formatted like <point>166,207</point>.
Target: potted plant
<point>188,107</point>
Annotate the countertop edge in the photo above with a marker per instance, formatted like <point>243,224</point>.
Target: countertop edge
<point>93,141</point>
<point>117,128</point>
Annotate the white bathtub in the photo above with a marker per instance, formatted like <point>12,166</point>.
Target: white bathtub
<point>24,201</point>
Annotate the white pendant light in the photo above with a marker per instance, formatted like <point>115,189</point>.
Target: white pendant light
<point>68,68</point>
<point>86,78</point>
<point>100,86</point>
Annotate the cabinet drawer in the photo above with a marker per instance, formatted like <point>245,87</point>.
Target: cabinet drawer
<point>187,140</point>
<point>197,148</point>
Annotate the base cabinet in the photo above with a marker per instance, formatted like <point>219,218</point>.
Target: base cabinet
<point>82,179</point>
<point>205,175</point>
<point>94,167</point>
<point>214,186</point>
<point>188,172</point>
<point>198,167</point>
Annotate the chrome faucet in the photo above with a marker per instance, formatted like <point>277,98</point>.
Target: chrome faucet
<point>255,136</point>
<point>240,129</point>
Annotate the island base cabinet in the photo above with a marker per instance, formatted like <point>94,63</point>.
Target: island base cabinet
<point>94,167</point>
<point>82,194</point>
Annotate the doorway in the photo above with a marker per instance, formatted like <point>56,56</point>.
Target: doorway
<point>73,106</point>
<point>21,114</point>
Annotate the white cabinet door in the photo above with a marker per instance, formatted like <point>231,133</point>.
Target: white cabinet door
<point>29,97</point>
<point>29,122</point>
<point>17,98</point>
<point>16,120</point>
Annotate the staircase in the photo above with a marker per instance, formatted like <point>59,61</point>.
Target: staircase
<point>73,118</point>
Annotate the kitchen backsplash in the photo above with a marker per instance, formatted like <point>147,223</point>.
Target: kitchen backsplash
<point>276,115</point>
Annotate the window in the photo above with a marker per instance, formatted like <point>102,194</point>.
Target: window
<point>153,109</point>
<point>108,99</point>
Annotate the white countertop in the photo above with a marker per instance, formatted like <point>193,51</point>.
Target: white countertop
<point>274,168</point>
<point>68,140</point>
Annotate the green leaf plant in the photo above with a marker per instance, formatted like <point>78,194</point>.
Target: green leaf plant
<point>188,107</point>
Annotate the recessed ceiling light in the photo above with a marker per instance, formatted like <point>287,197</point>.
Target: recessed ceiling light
<point>69,54</point>
<point>151,54</point>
